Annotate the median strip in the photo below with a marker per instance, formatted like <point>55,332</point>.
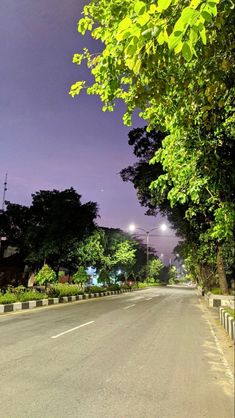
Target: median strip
<point>72,329</point>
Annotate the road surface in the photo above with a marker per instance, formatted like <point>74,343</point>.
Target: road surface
<point>146,354</point>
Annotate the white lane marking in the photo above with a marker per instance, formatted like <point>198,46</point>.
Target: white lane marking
<point>130,306</point>
<point>149,299</point>
<point>72,329</point>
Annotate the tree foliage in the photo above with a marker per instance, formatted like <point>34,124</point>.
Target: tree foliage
<point>80,276</point>
<point>50,227</point>
<point>154,268</point>
<point>173,61</point>
<point>45,275</point>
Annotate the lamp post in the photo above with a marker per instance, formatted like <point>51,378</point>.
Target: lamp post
<point>132,228</point>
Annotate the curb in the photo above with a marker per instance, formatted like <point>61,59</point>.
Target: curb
<point>31,304</point>
<point>227,322</point>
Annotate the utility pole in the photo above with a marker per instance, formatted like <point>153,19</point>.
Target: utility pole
<point>3,208</point>
<point>4,193</point>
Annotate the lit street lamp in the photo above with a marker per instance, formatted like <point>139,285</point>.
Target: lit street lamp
<point>132,228</point>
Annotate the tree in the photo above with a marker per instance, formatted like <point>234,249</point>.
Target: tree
<point>80,276</point>
<point>172,274</point>
<point>91,251</point>
<point>50,228</point>
<point>124,256</point>
<point>104,277</point>
<point>154,268</point>
<point>45,275</point>
<point>174,63</point>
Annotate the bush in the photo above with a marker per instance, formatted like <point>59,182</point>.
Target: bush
<point>114,287</point>
<point>231,312</point>
<point>21,294</point>
<point>216,291</point>
<point>64,289</point>
<point>31,295</point>
<point>8,297</point>
<point>45,275</point>
<point>125,286</point>
<point>95,289</point>
<point>142,285</point>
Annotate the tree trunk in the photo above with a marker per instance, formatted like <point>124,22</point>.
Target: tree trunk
<point>221,272</point>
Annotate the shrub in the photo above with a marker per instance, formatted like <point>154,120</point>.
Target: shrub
<point>45,275</point>
<point>7,297</point>
<point>216,291</point>
<point>142,285</point>
<point>95,289</point>
<point>64,289</point>
<point>21,294</point>
<point>31,295</point>
<point>114,287</point>
<point>125,286</point>
<point>231,312</point>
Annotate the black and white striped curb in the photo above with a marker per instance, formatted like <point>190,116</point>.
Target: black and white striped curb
<point>228,323</point>
<point>17,306</point>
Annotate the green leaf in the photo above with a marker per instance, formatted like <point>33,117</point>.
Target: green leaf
<point>186,51</point>
<point>143,19</point>
<point>161,38</point>
<point>124,24</point>
<point>189,15</point>
<point>179,47</point>
<point>206,16</point>
<point>137,66</point>
<point>123,35</point>
<point>76,88</point>
<point>163,4</point>
<point>193,35</point>
<point>153,8</point>
<point>174,41</point>
<point>203,35</point>
<point>77,58</point>
<point>140,7</point>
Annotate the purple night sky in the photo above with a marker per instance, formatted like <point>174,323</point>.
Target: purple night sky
<point>49,140</point>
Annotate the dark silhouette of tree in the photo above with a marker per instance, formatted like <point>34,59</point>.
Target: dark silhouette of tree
<point>49,229</point>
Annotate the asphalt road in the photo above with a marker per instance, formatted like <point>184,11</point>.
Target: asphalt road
<point>146,354</point>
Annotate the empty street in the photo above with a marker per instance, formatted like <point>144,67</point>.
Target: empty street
<point>144,354</point>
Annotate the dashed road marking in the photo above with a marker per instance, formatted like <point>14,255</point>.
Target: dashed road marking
<point>72,329</point>
<point>130,306</point>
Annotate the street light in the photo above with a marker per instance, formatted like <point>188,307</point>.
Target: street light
<point>132,228</point>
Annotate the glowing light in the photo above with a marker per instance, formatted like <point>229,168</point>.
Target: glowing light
<point>132,227</point>
<point>163,227</point>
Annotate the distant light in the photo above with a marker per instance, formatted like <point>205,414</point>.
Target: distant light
<point>162,255</point>
<point>132,227</point>
<point>163,227</point>
<point>119,271</point>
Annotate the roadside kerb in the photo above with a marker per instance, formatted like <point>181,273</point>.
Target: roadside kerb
<point>228,323</point>
<point>17,306</point>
